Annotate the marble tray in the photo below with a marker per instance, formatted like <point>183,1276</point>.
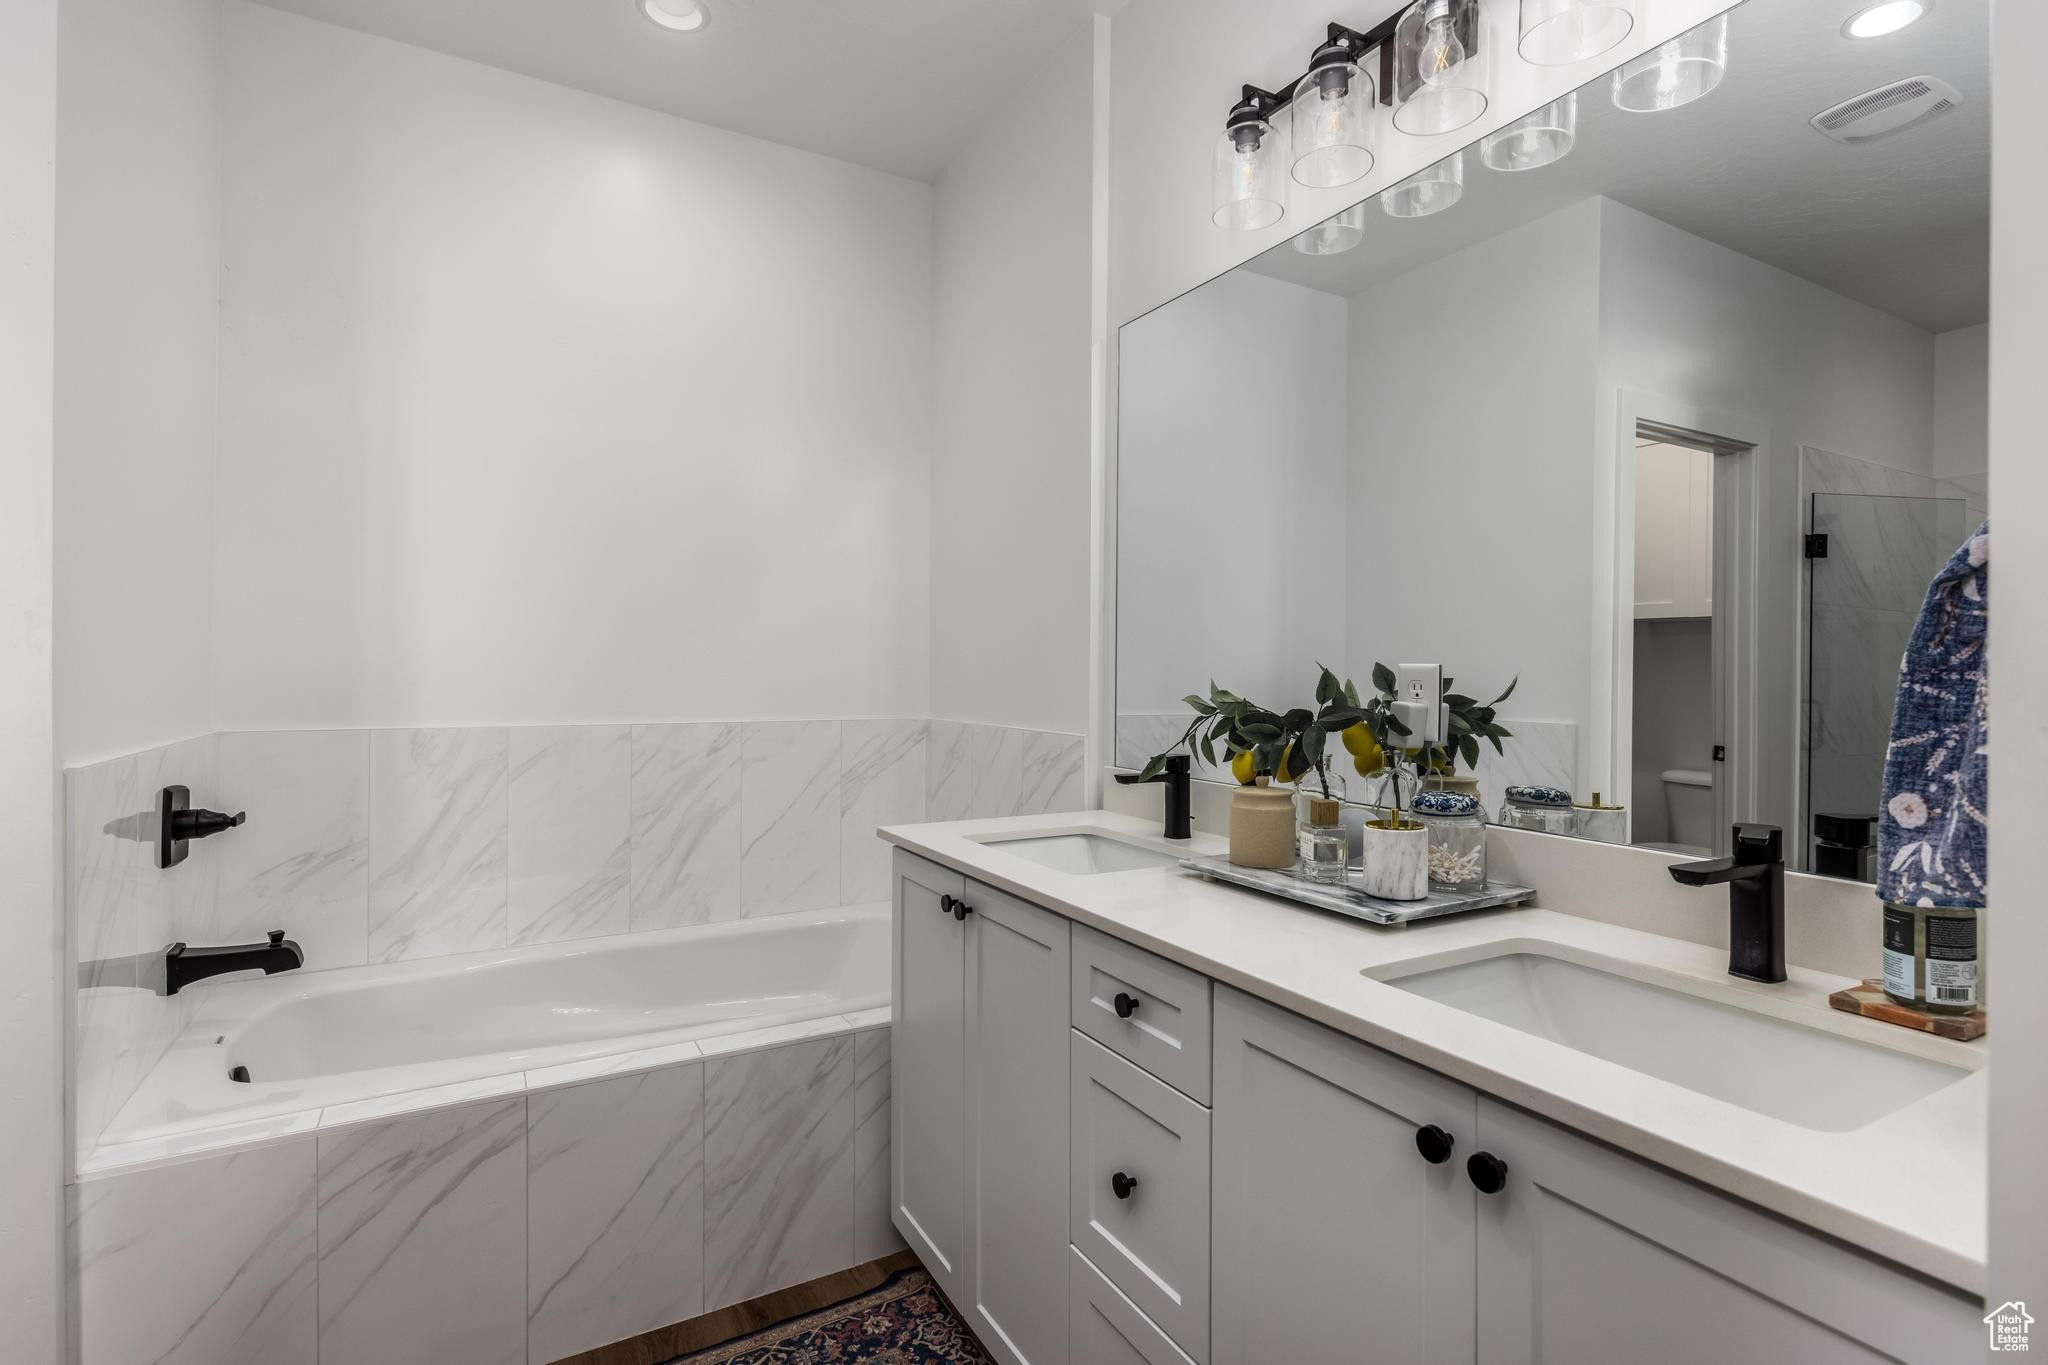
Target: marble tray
<point>1349,900</point>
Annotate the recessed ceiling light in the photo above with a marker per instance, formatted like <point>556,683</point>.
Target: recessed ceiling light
<point>690,16</point>
<point>1876,21</point>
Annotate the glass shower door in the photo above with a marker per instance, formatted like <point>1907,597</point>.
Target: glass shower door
<point>1864,591</point>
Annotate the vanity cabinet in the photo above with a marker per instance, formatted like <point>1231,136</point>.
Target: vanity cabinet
<point>928,1069</point>
<point>1336,1238</point>
<point>979,1180</point>
<point>1589,1254</point>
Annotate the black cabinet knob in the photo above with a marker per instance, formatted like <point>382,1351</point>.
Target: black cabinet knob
<point>1434,1144</point>
<point>1126,1005</point>
<point>1489,1173</point>
<point>1123,1184</point>
<point>961,909</point>
<point>945,905</point>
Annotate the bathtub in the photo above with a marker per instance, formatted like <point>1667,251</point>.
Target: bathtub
<point>369,1040</point>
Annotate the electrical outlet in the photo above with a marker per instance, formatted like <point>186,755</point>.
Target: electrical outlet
<point>1419,688</point>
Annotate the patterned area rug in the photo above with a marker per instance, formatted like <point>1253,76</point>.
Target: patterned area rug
<point>904,1321</point>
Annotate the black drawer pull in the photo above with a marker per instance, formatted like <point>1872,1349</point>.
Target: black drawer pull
<point>1126,1005</point>
<point>1434,1144</point>
<point>1123,1184</point>
<point>1489,1173</point>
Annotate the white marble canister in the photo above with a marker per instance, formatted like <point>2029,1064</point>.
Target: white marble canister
<point>1395,866</point>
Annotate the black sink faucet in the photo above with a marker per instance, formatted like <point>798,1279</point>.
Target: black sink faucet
<point>1177,774</point>
<point>183,965</point>
<point>1756,899</point>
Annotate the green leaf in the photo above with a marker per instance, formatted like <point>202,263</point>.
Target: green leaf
<point>1457,702</point>
<point>1351,692</point>
<point>1468,749</point>
<point>1209,752</point>
<point>1494,740</point>
<point>1396,726</point>
<point>1383,680</point>
<point>1153,767</point>
<point>1201,708</point>
<point>1328,689</point>
<point>1510,690</point>
<point>1312,743</point>
<point>1260,731</point>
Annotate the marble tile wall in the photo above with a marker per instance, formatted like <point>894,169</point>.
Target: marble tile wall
<point>502,1232</point>
<point>386,845</point>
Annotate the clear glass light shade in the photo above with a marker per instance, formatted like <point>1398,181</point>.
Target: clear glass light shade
<point>1333,235</point>
<point>1878,20</point>
<point>1332,115</point>
<point>1683,70</point>
<point>1560,32</point>
<point>1535,139</point>
<point>1427,191</point>
<point>1247,184</point>
<point>1440,67</point>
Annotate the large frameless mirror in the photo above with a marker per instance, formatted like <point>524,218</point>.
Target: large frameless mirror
<point>1663,404</point>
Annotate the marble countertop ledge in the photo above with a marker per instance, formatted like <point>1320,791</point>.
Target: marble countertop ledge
<point>1844,1184</point>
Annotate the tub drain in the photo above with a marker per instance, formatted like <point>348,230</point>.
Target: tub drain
<point>240,1073</point>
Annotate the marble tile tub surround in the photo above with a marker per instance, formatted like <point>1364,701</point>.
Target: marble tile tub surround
<point>389,845</point>
<point>520,1228</point>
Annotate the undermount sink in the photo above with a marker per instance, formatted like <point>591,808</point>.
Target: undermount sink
<point>1085,854</point>
<point>1788,1071</point>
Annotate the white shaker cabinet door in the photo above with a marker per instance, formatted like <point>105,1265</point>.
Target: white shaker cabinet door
<point>1015,1290</point>
<point>1586,1253</point>
<point>927,1095</point>
<point>1337,1240</point>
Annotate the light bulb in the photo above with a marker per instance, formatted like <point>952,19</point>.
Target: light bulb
<point>1442,54</point>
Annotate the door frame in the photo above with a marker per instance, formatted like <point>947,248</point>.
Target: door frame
<point>1740,442</point>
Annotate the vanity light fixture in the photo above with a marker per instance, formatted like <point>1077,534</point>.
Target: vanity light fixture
<point>1439,61</point>
<point>1332,112</point>
<point>1560,32</point>
<point>1247,187</point>
<point>1333,235</point>
<point>1875,21</point>
<point>1430,190</point>
<point>678,16</point>
<point>1687,68</point>
<point>1533,140</point>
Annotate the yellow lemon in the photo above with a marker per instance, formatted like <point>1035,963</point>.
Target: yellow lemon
<point>1289,770</point>
<point>1368,767</point>
<point>1244,769</point>
<point>1364,748</point>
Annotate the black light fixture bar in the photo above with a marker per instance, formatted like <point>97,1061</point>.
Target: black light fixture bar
<point>1264,103</point>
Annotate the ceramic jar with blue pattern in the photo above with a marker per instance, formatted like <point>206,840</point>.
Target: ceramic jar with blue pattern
<point>1457,840</point>
<point>1547,810</point>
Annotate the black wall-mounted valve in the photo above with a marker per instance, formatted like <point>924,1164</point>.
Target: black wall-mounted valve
<point>177,824</point>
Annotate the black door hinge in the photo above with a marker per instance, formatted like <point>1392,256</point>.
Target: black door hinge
<point>1817,546</point>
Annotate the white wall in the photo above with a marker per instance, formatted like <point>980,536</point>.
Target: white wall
<point>2017,947</point>
<point>1010,482</point>
<point>1469,511</point>
<point>1231,558</point>
<point>138,286</point>
<point>31,1057</point>
<point>1697,325</point>
<point>1961,373</point>
<point>1177,69</point>
<point>539,407</point>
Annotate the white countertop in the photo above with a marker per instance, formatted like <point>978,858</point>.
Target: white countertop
<point>1910,1186</point>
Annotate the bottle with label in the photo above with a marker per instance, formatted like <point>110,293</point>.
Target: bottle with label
<point>1930,957</point>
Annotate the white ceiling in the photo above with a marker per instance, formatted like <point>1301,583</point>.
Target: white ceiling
<point>897,85</point>
<point>1902,225</point>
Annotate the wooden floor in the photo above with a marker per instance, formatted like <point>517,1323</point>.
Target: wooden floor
<point>715,1329</point>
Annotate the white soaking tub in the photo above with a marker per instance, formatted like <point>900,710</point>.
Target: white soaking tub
<point>360,1042</point>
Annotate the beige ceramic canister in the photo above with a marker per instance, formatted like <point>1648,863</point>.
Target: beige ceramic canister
<point>1262,830</point>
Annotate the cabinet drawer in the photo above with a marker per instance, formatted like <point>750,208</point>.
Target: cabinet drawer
<point>1167,1029</point>
<point>1139,1202</point>
<point>1106,1328</point>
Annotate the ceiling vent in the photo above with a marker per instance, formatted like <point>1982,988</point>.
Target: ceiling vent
<point>1888,109</point>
